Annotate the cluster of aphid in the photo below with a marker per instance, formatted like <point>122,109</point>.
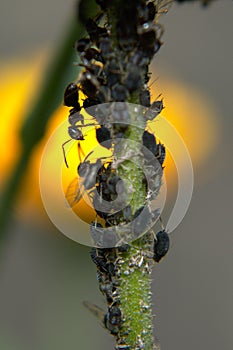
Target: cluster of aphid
<point>115,59</point>
<point>108,263</point>
<point>116,72</point>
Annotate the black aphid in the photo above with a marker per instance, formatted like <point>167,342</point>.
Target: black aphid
<point>161,245</point>
<point>149,142</point>
<point>103,136</point>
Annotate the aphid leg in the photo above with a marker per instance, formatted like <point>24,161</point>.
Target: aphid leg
<point>161,223</point>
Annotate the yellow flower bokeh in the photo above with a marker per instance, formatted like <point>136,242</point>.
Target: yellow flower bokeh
<point>186,108</point>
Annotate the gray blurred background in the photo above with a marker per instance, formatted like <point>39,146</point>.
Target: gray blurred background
<point>44,277</point>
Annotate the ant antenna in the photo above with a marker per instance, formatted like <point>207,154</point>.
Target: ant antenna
<point>80,151</point>
<point>64,153</point>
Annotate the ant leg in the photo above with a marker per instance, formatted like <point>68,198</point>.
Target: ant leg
<point>159,151</point>
<point>64,153</point>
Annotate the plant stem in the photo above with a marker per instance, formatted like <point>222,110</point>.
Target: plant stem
<point>127,286</point>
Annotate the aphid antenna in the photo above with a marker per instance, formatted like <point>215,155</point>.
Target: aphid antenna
<point>161,223</point>
<point>157,98</point>
<point>149,86</point>
<point>162,7</point>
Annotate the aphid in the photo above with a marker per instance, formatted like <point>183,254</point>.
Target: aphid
<point>141,221</point>
<point>113,219</point>
<point>133,78</point>
<point>147,13</point>
<point>105,47</point>
<point>119,93</point>
<point>161,153</point>
<point>148,40</point>
<point>95,69</point>
<point>84,167</point>
<point>108,184</point>
<point>124,248</point>
<point>94,31</point>
<point>161,245</point>
<point>103,238</point>
<point>88,171</point>
<point>113,183</point>
<point>113,319</point>
<point>89,84</point>
<point>127,213</point>
<point>121,115</point>
<point>92,53</point>
<point>71,96</point>
<point>101,112</point>
<point>97,255</point>
<point>144,98</point>
<point>127,27</point>
<point>154,110</point>
<point>104,190</point>
<point>112,72</point>
<point>89,102</point>
<point>123,347</point>
<point>151,11</point>
<point>73,193</point>
<point>107,289</point>
<point>139,58</point>
<point>143,218</point>
<point>103,136</point>
<point>149,142</point>
<point>103,94</point>
<point>82,44</point>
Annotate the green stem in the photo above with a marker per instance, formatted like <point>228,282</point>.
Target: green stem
<point>134,267</point>
<point>135,294</point>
